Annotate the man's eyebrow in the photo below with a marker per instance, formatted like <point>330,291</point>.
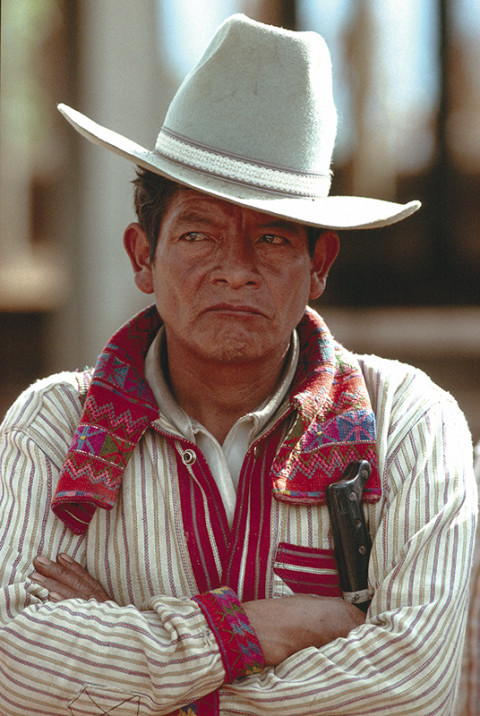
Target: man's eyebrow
<point>280,224</point>
<point>194,217</point>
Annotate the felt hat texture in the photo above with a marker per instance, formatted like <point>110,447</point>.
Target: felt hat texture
<point>254,123</point>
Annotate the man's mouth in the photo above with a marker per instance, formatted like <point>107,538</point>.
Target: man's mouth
<point>235,309</point>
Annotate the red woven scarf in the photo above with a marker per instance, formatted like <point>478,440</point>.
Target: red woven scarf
<point>334,423</point>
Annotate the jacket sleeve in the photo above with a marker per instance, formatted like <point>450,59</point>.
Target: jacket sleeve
<point>82,657</point>
<point>469,691</point>
<point>406,658</point>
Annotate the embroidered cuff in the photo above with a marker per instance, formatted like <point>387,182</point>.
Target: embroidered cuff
<point>237,641</point>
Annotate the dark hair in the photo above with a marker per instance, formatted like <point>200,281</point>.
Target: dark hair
<point>152,196</point>
<point>313,232</point>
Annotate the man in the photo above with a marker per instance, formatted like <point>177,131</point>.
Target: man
<point>172,499</point>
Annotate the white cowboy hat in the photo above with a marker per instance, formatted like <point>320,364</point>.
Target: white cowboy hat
<point>254,123</point>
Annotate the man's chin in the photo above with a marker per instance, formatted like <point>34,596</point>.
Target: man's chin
<point>230,348</point>
<point>232,352</point>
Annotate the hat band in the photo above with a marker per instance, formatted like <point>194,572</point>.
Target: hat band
<point>182,151</point>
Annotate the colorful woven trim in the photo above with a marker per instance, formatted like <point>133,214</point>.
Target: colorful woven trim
<point>209,705</point>
<point>240,649</point>
<point>335,424</point>
<point>118,409</point>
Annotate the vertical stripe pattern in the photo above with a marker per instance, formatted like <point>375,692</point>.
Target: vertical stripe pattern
<point>151,650</point>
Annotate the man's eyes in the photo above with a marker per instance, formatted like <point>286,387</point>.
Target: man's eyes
<point>271,239</point>
<point>274,239</point>
<point>194,236</point>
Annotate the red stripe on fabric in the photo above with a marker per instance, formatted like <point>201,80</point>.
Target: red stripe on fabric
<point>306,556</point>
<point>307,570</point>
<point>304,583</point>
<point>194,493</point>
<point>252,521</point>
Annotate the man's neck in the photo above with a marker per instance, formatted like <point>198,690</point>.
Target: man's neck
<point>217,396</point>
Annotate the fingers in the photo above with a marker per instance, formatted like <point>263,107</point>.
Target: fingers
<point>66,579</point>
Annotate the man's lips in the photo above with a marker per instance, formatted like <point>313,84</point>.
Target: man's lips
<point>235,309</point>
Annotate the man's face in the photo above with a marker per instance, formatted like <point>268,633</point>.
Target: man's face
<point>230,283</point>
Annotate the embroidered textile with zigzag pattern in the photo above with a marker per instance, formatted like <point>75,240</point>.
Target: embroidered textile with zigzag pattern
<point>334,425</point>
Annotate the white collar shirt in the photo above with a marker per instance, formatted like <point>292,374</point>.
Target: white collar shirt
<point>225,461</point>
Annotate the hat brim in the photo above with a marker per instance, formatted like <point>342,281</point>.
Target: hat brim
<point>331,212</point>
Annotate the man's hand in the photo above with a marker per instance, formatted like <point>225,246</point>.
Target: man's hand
<point>285,626</point>
<point>66,579</point>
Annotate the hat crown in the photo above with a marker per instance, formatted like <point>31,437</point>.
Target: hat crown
<point>254,123</point>
<point>259,94</point>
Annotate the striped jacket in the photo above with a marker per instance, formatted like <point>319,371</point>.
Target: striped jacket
<point>157,647</point>
<point>469,691</point>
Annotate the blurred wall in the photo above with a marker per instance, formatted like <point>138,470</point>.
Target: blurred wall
<point>121,85</point>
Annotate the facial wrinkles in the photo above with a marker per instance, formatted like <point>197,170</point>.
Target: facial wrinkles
<point>235,260</point>
<point>229,295</point>
<point>232,219</point>
<point>241,264</point>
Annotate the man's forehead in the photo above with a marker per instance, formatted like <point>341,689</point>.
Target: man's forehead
<point>192,204</point>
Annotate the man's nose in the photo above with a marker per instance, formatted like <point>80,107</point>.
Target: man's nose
<point>236,264</point>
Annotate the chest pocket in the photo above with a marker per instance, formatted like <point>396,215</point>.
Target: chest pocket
<point>307,570</point>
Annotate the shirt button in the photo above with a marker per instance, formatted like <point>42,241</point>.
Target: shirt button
<point>188,457</point>
<point>256,451</point>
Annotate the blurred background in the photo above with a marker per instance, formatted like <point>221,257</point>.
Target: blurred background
<point>407,81</point>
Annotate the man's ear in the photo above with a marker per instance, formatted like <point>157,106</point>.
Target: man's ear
<point>326,251</point>
<point>138,249</point>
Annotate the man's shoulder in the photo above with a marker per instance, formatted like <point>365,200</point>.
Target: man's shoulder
<point>397,375</point>
<point>394,372</point>
<point>405,390</point>
<point>56,400</point>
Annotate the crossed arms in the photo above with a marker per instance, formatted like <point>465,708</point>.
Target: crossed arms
<point>282,627</point>
<point>56,655</point>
